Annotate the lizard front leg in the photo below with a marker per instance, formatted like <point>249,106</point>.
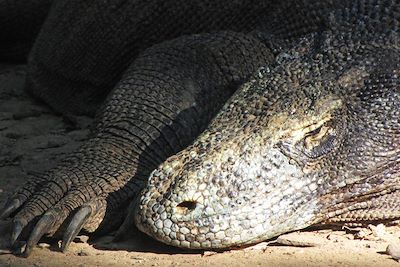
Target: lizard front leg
<point>163,101</point>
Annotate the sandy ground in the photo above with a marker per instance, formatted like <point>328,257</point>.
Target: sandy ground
<point>33,139</point>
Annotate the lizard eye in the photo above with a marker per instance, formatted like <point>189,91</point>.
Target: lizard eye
<point>319,141</point>
<point>313,138</point>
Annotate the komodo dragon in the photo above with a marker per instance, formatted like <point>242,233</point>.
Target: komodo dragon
<point>311,136</point>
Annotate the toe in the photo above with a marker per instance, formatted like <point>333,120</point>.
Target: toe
<point>18,226</point>
<point>12,205</point>
<point>41,228</point>
<point>129,221</point>
<point>21,196</point>
<point>75,226</point>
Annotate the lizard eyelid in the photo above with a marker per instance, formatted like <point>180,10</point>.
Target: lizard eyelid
<point>313,138</point>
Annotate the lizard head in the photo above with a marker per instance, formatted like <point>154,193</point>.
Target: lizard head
<point>317,129</point>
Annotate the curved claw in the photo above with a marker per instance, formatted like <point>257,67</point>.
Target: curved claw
<point>11,206</point>
<point>41,228</point>
<point>75,226</point>
<point>17,229</point>
<point>127,224</point>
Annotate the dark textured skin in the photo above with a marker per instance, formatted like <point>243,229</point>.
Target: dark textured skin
<point>312,137</point>
<point>20,22</point>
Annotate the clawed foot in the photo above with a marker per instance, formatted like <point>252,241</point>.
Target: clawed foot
<point>52,207</point>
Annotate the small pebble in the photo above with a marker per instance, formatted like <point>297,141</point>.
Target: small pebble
<point>43,245</point>
<point>209,253</point>
<point>263,246</point>
<point>394,251</point>
<point>296,239</point>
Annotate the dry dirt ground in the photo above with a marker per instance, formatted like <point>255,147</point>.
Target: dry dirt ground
<point>33,139</point>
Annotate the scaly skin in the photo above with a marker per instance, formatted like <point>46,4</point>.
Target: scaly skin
<point>311,137</point>
<point>311,146</point>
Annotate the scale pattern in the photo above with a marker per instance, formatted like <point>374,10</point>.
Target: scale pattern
<point>240,120</point>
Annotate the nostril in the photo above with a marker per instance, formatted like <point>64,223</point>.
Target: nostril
<point>186,207</point>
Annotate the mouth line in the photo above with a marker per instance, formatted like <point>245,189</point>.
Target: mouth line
<point>195,218</point>
<point>249,241</point>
